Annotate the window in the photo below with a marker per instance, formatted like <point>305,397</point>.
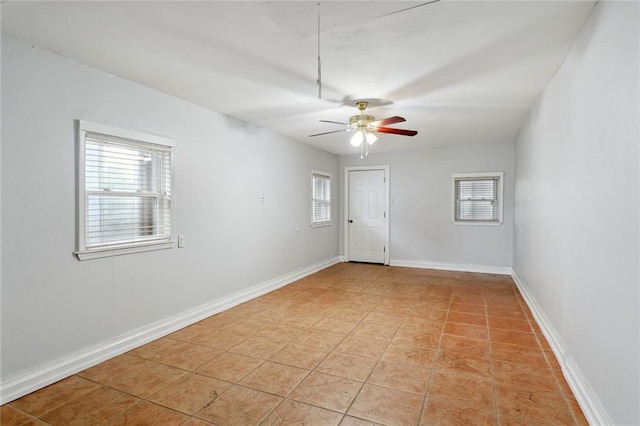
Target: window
<point>124,191</point>
<point>321,198</point>
<point>477,198</point>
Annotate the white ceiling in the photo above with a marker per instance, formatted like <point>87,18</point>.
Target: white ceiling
<point>460,72</point>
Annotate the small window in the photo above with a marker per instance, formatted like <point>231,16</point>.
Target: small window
<point>321,198</point>
<point>124,191</point>
<point>477,198</point>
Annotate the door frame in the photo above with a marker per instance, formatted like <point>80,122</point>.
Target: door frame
<point>347,170</point>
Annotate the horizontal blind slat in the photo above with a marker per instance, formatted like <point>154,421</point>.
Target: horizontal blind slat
<point>128,187</point>
<point>321,198</point>
<point>476,199</point>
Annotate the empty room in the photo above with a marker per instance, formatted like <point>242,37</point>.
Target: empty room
<point>320,213</point>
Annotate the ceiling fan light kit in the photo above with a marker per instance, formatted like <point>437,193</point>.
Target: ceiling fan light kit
<point>365,127</point>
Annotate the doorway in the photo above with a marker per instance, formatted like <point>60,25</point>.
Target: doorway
<point>367,214</point>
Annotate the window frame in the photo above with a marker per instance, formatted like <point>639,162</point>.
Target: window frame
<point>499,176</point>
<point>137,138</point>
<point>314,223</point>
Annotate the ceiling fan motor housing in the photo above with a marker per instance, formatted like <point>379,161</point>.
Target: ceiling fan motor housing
<point>361,120</point>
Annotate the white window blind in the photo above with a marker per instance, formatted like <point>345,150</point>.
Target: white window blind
<point>321,198</point>
<point>477,198</point>
<point>126,195</point>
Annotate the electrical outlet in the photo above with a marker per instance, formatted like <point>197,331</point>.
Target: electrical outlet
<point>180,241</point>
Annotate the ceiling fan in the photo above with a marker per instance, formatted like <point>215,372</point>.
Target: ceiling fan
<point>365,127</point>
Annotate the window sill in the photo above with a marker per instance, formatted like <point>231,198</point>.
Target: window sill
<point>476,223</point>
<point>320,224</point>
<point>108,252</point>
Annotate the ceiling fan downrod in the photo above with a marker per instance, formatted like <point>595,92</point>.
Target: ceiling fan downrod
<point>319,80</point>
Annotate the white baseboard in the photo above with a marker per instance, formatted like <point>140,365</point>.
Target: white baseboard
<point>15,387</point>
<point>459,267</point>
<point>591,406</point>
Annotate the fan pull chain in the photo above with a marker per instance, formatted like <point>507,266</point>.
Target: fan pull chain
<point>319,80</point>
<point>364,150</point>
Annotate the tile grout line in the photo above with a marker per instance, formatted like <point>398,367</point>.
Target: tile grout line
<point>365,380</point>
<point>265,361</point>
<point>316,300</point>
<point>494,388</point>
<point>437,355</point>
<point>140,400</point>
<point>546,357</point>
<point>319,363</point>
<point>237,383</point>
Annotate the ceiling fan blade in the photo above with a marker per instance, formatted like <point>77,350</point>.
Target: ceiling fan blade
<point>408,8</point>
<point>385,121</point>
<point>402,132</point>
<point>327,133</point>
<point>334,122</point>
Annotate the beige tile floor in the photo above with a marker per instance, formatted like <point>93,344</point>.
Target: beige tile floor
<point>354,344</point>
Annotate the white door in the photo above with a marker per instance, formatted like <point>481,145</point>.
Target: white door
<point>366,218</point>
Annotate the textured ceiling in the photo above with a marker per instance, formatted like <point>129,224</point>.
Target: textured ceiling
<point>460,72</point>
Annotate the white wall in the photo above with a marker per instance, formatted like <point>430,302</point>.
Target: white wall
<point>421,232</point>
<point>576,206</point>
<point>54,305</point>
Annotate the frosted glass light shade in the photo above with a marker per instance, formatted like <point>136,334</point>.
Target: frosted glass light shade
<point>371,138</point>
<point>357,138</point>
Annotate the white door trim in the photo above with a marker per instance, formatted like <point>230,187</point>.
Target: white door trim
<point>386,208</point>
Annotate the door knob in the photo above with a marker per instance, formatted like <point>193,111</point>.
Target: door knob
<point>350,220</point>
